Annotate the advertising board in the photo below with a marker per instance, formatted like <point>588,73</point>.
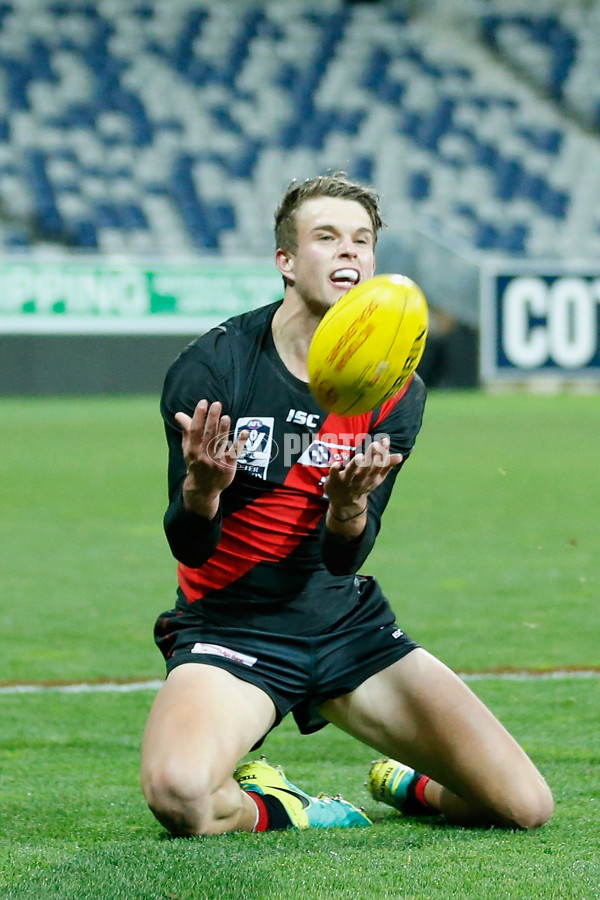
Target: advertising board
<point>103,297</point>
<point>540,321</point>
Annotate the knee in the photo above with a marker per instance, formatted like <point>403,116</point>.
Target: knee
<point>534,808</point>
<point>178,800</point>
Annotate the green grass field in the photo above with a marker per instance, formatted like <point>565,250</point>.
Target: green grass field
<point>489,553</point>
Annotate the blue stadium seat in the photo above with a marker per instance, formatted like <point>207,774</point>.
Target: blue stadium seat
<point>513,239</point>
<point>486,236</point>
<point>419,185</point>
<point>507,174</point>
<point>83,234</point>
<point>361,168</point>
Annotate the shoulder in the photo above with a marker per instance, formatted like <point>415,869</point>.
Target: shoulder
<point>416,393</point>
<point>408,401</point>
<point>401,417</point>
<point>217,345</point>
<point>206,367</point>
<point>252,323</point>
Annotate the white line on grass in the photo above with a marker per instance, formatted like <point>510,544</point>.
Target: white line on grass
<point>525,675</point>
<point>153,685</point>
<point>81,688</point>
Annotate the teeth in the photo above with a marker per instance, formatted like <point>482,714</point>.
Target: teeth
<point>345,275</point>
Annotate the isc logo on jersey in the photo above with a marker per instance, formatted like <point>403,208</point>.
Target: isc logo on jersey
<point>300,417</point>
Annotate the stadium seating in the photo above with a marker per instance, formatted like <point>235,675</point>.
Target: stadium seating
<point>168,129</point>
<point>558,47</point>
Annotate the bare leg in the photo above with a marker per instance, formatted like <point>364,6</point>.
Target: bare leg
<point>421,713</point>
<point>202,722</point>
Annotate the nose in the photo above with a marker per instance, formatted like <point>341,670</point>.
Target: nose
<point>348,248</point>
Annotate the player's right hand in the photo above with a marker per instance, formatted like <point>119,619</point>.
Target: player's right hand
<point>209,454</point>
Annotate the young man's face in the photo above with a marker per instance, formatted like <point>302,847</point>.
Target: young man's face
<point>335,250</point>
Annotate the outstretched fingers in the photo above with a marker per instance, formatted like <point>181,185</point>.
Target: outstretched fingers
<point>368,470</point>
<point>378,456</point>
<point>209,453</point>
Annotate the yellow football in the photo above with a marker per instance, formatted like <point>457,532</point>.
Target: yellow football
<point>368,344</point>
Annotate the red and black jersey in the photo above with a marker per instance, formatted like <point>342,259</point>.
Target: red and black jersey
<point>267,557</point>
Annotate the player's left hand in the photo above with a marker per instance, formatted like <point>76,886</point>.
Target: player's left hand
<point>348,486</point>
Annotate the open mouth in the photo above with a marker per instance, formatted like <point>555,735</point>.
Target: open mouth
<point>345,278</point>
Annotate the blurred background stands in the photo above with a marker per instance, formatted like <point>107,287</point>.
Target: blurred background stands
<point>167,130</point>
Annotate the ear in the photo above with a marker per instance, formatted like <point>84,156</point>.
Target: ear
<point>285,263</point>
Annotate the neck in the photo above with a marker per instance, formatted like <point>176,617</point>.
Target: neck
<point>293,327</point>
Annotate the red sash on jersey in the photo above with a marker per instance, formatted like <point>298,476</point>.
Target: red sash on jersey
<point>272,526</point>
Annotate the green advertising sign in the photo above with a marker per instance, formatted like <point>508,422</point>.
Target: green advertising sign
<point>101,297</point>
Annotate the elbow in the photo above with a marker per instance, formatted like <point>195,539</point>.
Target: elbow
<point>191,561</point>
<point>339,567</point>
<point>339,563</point>
<point>191,539</point>
<point>344,557</point>
<point>191,556</point>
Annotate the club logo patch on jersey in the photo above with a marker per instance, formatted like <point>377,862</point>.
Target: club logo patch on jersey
<point>323,454</point>
<point>258,449</point>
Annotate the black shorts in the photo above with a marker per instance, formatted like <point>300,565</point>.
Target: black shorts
<point>298,673</point>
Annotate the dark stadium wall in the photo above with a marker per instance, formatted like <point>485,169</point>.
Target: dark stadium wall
<point>33,365</point>
<point>86,364</point>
